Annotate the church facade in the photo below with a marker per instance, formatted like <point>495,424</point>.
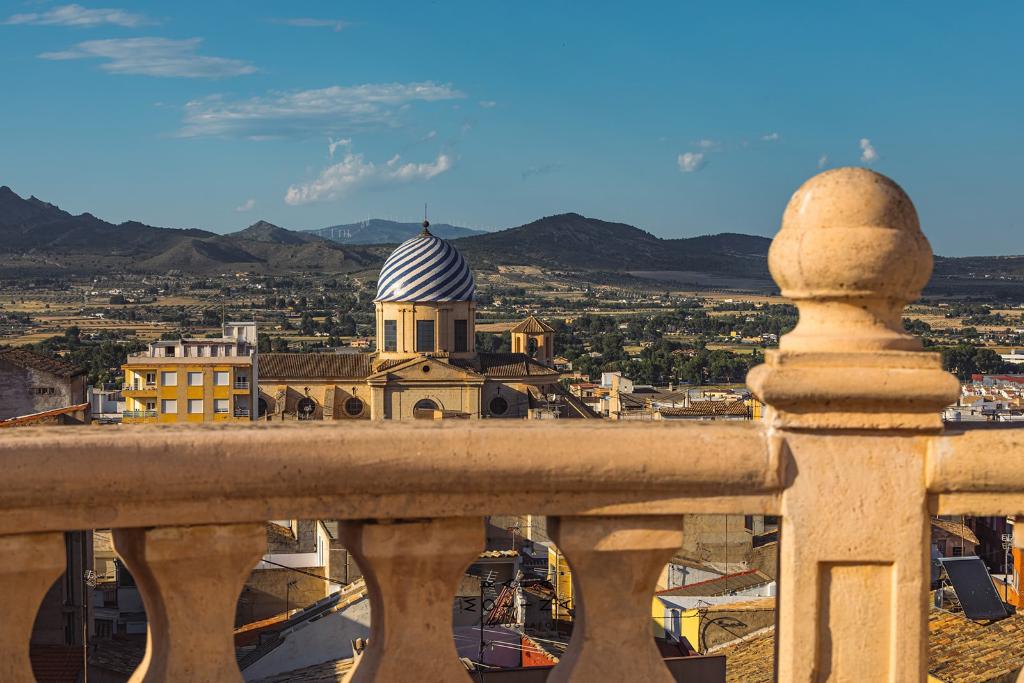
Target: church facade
<point>426,365</point>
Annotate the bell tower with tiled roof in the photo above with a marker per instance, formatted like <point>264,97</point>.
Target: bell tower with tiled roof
<point>535,338</point>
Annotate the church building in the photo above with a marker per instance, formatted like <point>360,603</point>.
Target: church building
<point>426,365</point>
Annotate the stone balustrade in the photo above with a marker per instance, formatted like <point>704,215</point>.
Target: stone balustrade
<point>852,455</point>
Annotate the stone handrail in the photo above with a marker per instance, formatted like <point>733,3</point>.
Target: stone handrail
<point>851,454</point>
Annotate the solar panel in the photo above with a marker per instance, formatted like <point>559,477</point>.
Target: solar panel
<point>974,588</point>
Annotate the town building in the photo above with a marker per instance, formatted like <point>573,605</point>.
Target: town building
<point>40,389</point>
<point>426,365</point>
<point>194,380</point>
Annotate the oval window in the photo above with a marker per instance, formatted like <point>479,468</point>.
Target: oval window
<point>498,406</point>
<point>305,408</point>
<point>354,407</point>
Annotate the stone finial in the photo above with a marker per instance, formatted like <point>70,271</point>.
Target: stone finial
<point>851,255</point>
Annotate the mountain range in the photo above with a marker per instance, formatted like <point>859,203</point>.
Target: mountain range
<point>39,238</point>
<point>380,231</point>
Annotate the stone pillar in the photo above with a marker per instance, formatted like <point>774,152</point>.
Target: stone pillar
<point>31,563</point>
<point>411,571</point>
<point>190,578</point>
<point>847,390</point>
<point>616,562</point>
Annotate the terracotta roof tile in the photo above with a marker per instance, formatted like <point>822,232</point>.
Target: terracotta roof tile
<point>37,361</point>
<point>313,365</point>
<point>532,325</point>
<point>508,365</point>
<point>956,529</point>
<point>722,585</point>
<point>708,409</point>
<point>959,651</point>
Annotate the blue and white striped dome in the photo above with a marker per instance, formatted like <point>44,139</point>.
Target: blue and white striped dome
<point>425,268</point>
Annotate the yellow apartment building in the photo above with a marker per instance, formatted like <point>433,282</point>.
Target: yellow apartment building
<point>193,380</point>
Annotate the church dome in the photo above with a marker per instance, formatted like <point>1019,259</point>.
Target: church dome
<point>425,268</point>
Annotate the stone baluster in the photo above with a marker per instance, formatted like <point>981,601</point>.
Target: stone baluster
<point>615,564</point>
<point>412,569</point>
<point>29,566</point>
<point>847,391</point>
<point>190,578</point>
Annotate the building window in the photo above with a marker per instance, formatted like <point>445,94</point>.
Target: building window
<point>195,379</point>
<point>354,407</point>
<point>195,406</point>
<point>498,406</point>
<point>103,628</point>
<point>958,551</point>
<point>150,378</point>
<point>305,408</point>
<point>169,379</point>
<point>221,378</point>
<point>424,408</point>
<point>169,406</point>
<point>531,347</point>
<point>425,335</point>
<point>150,405</point>
<point>461,336</point>
<point>169,351</point>
<point>390,335</point>
<point>220,405</point>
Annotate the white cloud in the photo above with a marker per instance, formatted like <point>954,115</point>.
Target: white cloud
<point>823,161</point>
<point>76,15</point>
<point>771,137</point>
<point>306,22</point>
<point>706,143</point>
<point>309,112</point>
<point>691,161</point>
<point>247,205</point>
<point>867,151</point>
<point>353,172</point>
<point>154,57</point>
<point>333,145</point>
<point>488,104</point>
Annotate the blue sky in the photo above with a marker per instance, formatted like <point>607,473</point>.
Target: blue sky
<point>680,118</point>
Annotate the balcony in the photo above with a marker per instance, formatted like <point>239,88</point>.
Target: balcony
<point>138,413</point>
<point>242,384</point>
<point>138,387</point>
<point>852,454</point>
<point>241,412</point>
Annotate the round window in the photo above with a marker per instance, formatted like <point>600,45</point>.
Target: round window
<point>354,407</point>
<point>498,406</point>
<point>305,408</point>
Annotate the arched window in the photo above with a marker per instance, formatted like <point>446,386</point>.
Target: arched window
<point>424,408</point>
<point>531,347</point>
<point>354,407</point>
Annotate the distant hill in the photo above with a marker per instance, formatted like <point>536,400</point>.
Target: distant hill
<point>39,238</point>
<point>572,241</point>
<point>379,231</point>
<point>262,247</point>
<point>32,224</point>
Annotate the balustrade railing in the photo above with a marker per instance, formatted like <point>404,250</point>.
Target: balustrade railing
<point>851,454</point>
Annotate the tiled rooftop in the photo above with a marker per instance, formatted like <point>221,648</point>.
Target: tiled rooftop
<point>284,366</point>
